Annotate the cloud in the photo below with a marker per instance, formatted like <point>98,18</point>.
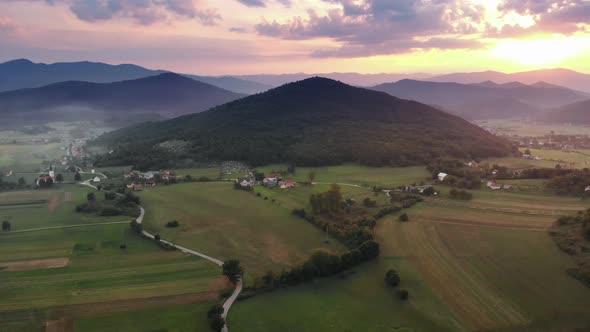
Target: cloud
<point>375,27</point>
<point>262,3</point>
<point>141,11</point>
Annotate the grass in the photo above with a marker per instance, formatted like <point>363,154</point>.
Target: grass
<point>466,268</point>
<point>575,158</point>
<point>227,223</point>
<point>179,318</point>
<point>356,174</point>
<point>58,208</point>
<point>27,157</point>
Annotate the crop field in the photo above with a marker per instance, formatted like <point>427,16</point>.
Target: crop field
<point>356,174</point>
<point>575,158</point>
<point>490,262</point>
<point>48,207</point>
<point>227,223</point>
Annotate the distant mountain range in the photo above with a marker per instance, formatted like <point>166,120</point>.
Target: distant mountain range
<point>21,74</point>
<point>316,121</point>
<point>559,76</point>
<point>576,113</point>
<point>356,79</point>
<point>165,95</point>
<point>485,100</point>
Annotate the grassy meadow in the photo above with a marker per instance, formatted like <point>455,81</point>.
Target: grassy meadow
<point>227,223</point>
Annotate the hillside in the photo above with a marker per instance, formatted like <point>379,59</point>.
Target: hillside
<point>355,79</point>
<point>22,74</point>
<point>485,100</point>
<point>312,122</point>
<point>576,113</point>
<point>166,94</point>
<point>558,76</point>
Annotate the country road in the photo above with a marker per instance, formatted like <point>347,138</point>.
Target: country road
<point>239,285</point>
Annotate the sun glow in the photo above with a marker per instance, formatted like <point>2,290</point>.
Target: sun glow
<point>542,51</point>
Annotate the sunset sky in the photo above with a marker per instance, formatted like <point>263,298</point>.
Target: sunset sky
<point>216,37</point>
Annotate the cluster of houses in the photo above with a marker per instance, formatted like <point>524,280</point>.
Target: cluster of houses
<point>137,180</point>
<point>492,184</point>
<point>46,179</point>
<point>270,181</point>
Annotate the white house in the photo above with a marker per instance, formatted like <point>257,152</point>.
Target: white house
<point>96,179</point>
<point>442,176</point>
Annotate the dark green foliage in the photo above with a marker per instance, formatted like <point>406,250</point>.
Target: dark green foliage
<point>309,123</point>
<point>217,323</point>
<point>59,178</point>
<point>21,182</point>
<point>258,176</point>
<point>370,250</point>
<point>351,259</point>
<point>172,224</point>
<point>157,238</point>
<point>392,278</point>
<point>215,310</point>
<point>91,197</point>
<point>110,211</point>
<point>403,294</point>
<point>232,270</point>
<point>329,202</point>
<point>123,246</point>
<point>87,208</point>
<point>573,183</point>
<point>136,227</point>
<point>369,202</point>
<point>325,263</point>
<point>110,196</point>
<point>6,226</point>
<point>460,194</point>
<point>78,177</point>
<point>299,212</point>
<point>404,217</point>
<point>203,179</point>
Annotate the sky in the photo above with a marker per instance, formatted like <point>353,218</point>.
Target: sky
<point>219,37</point>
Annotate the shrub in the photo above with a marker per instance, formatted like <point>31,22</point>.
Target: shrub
<point>369,202</point>
<point>392,278</point>
<point>173,223</point>
<point>217,323</point>
<point>110,211</point>
<point>403,294</point>
<point>110,196</point>
<point>123,246</point>
<point>204,179</point>
<point>215,310</point>
<point>232,270</point>
<point>369,249</point>
<point>299,212</point>
<point>157,238</point>
<point>404,217</point>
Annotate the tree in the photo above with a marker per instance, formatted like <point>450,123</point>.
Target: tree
<point>311,176</point>
<point>392,278</point>
<point>59,178</point>
<point>370,249</point>
<point>403,294</point>
<point>78,177</point>
<point>232,270</point>
<point>21,182</point>
<point>404,217</point>
<point>157,238</point>
<point>6,226</point>
<point>91,197</point>
<point>215,310</point>
<point>527,151</point>
<point>217,323</point>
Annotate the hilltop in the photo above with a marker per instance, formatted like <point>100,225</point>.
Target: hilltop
<point>316,121</point>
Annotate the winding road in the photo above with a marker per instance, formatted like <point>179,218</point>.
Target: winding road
<point>239,285</point>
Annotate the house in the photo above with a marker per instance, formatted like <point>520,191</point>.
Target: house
<point>472,164</point>
<point>150,182</point>
<point>587,189</point>
<point>495,172</point>
<point>168,176</point>
<point>442,176</point>
<point>96,179</point>
<point>136,187</point>
<point>272,180</point>
<point>245,183</point>
<point>44,180</point>
<point>287,184</point>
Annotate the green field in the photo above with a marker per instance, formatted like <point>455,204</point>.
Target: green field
<point>27,157</point>
<point>518,128</point>
<point>490,262</point>
<point>227,223</point>
<point>356,174</point>
<point>49,207</point>
<point>63,275</point>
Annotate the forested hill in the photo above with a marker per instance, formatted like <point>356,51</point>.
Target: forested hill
<point>316,121</point>
<point>576,113</point>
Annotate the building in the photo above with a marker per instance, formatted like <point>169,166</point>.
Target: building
<point>96,179</point>
<point>442,176</point>
<point>287,184</point>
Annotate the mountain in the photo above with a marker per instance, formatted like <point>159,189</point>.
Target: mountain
<point>559,76</point>
<point>349,78</point>
<point>485,100</point>
<point>576,113</point>
<point>21,74</point>
<point>165,94</point>
<point>316,121</point>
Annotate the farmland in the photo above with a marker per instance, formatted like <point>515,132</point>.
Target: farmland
<point>227,223</point>
<point>62,275</point>
<point>490,262</point>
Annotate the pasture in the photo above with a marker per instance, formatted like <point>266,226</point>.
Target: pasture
<point>486,264</point>
<point>227,223</point>
<point>27,157</point>
<point>519,128</point>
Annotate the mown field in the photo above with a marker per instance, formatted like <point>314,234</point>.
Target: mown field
<point>49,207</point>
<point>227,223</point>
<point>487,264</point>
<point>62,275</point>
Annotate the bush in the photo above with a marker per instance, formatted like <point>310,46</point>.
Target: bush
<point>110,196</point>
<point>172,224</point>
<point>215,310</point>
<point>392,278</point>
<point>204,179</point>
<point>460,194</point>
<point>369,249</point>
<point>232,270</point>
<point>369,202</point>
<point>110,211</point>
<point>123,246</point>
<point>299,212</point>
<point>403,294</point>
<point>217,323</point>
<point>404,217</point>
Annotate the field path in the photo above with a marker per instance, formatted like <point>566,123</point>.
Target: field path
<point>237,290</point>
